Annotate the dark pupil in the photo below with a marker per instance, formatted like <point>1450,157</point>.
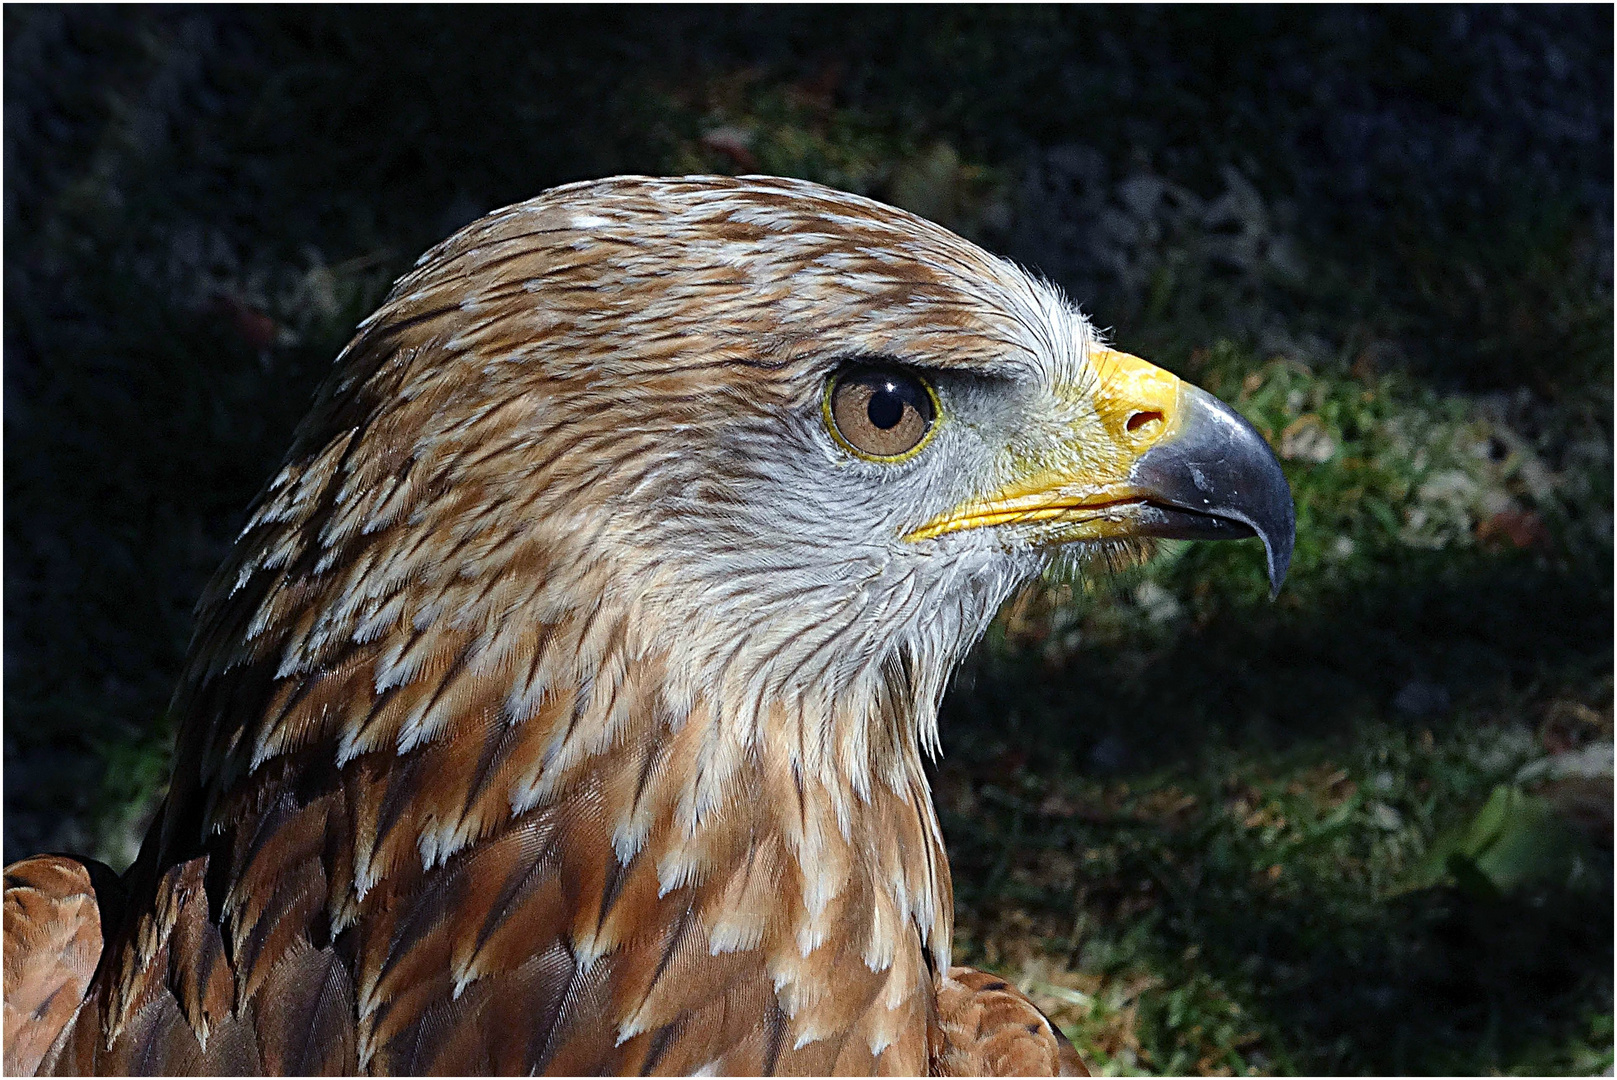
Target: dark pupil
<point>886,408</point>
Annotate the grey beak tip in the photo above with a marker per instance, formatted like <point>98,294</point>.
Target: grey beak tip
<point>1278,530</point>
<point>1279,563</point>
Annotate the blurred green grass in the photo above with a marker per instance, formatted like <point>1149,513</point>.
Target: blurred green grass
<point>1208,832</point>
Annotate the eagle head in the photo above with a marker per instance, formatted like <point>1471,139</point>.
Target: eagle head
<point>574,674</point>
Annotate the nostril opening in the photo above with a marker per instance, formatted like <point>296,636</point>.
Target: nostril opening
<point>1140,419</point>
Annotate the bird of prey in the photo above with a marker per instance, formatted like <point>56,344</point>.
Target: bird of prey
<point>563,703</point>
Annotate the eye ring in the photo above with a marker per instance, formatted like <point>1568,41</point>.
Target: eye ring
<point>880,413</point>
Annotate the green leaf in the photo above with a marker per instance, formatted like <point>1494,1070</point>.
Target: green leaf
<point>1515,840</point>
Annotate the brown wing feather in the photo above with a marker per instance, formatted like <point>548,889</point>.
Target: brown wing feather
<point>53,924</point>
<point>986,1027</point>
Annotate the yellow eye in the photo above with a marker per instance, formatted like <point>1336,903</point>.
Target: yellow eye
<point>881,414</point>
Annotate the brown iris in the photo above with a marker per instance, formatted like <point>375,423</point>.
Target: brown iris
<point>881,413</point>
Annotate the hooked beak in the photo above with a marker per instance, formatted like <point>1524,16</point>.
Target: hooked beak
<point>1216,479</point>
<point>1179,463</point>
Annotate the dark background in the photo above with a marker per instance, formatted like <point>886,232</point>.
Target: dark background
<point>1365,828</point>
